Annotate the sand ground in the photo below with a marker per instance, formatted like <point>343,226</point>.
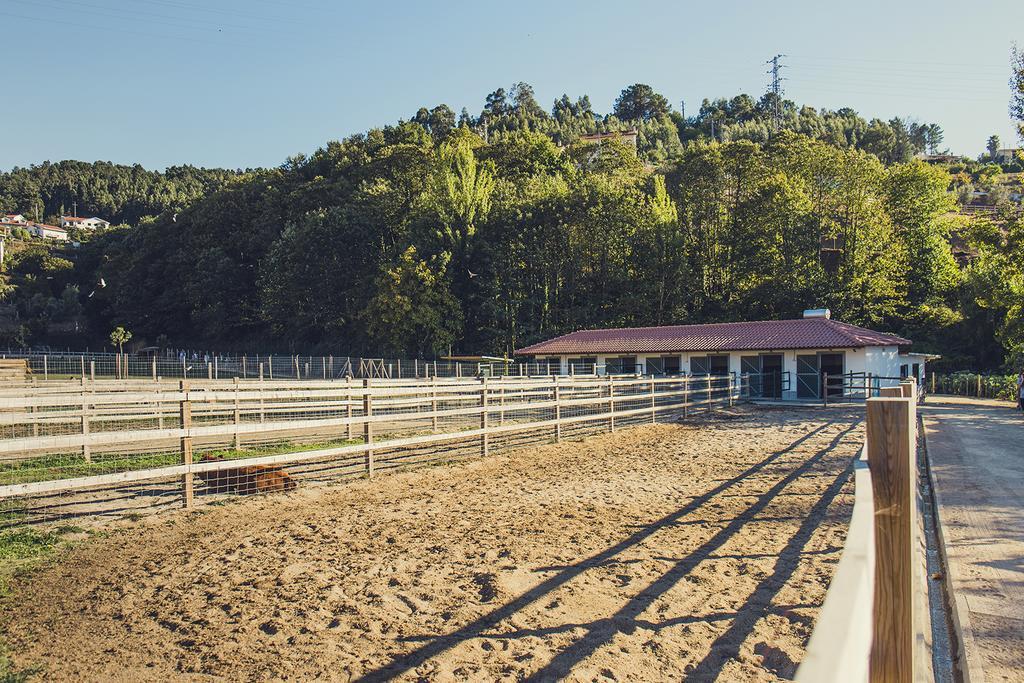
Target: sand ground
<point>695,551</point>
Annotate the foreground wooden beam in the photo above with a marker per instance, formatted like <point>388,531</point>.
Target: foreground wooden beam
<point>891,451</point>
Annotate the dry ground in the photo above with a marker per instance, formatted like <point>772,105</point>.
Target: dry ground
<point>699,550</point>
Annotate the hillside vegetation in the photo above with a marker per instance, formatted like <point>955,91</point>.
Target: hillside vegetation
<point>484,233</point>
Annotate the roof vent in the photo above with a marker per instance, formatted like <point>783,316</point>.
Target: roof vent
<point>817,313</point>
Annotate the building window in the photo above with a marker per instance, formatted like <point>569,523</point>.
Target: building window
<point>666,365</point>
<point>709,365</point>
<point>622,365</point>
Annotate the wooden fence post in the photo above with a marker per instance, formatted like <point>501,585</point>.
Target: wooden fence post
<point>154,368</point>
<point>324,359</point>
<point>216,368</point>
<point>654,406</point>
<point>82,358</point>
<point>209,370</point>
<point>92,370</point>
<point>485,444</point>
<point>368,426</point>
<point>270,367</point>
<point>245,369</point>
<point>611,404</point>
<point>186,444</point>
<point>46,368</point>
<point>711,398</point>
<point>824,388</point>
<point>891,451</point>
<point>433,401</point>
<point>729,389</point>
<point>238,419</point>
<point>558,409</point>
<point>263,415</point>
<point>348,408</point>
<point>86,451</point>
<point>686,395</point>
<point>933,382</point>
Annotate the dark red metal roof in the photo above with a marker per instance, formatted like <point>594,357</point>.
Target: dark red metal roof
<point>763,335</point>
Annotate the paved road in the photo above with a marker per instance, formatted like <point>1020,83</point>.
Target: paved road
<point>976,451</point>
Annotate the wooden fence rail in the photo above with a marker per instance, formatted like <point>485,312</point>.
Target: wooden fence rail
<point>874,625</point>
<point>51,437</point>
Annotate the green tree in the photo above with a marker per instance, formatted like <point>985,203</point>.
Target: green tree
<point>639,102</point>
<point>992,146</point>
<point>119,337</point>
<point>412,311</point>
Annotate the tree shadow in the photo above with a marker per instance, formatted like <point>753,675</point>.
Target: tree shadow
<point>602,630</point>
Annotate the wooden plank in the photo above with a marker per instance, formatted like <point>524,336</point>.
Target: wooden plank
<point>891,460</point>
<point>840,645</point>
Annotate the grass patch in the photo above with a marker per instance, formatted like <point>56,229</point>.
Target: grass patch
<point>69,466</point>
<point>21,551</point>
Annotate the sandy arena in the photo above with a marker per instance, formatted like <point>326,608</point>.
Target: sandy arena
<point>699,550</point>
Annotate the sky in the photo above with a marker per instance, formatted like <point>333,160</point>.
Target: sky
<point>247,83</point>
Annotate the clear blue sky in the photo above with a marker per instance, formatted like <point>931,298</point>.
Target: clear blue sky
<point>239,83</point>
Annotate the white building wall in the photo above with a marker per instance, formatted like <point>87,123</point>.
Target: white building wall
<point>878,361</point>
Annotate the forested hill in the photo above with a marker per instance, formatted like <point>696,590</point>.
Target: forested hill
<point>117,193</point>
<point>485,233</point>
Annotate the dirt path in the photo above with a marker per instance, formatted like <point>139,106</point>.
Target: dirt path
<point>977,464</point>
<point>697,550</point>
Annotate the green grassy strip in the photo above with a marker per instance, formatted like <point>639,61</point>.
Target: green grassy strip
<point>68,466</point>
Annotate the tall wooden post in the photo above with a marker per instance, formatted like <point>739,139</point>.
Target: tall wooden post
<point>238,419</point>
<point>270,367</point>
<point>324,359</point>
<point>86,450</point>
<point>154,368</point>
<point>245,368</point>
<point>711,397</point>
<point>557,394</point>
<point>263,415</point>
<point>348,408</point>
<point>216,368</point>
<point>686,395</point>
<point>82,358</point>
<point>890,446</point>
<point>654,406</point>
<point>933,382</point>
<point>368,426</point>
<point>186,443</point>
<point>209,370</point>
<point>611,404</point>
<point>46,367</point>
<point>92,370</point>
<point>433,401</point>
<point>485,443</point>
<point>729,390</point>
<point>824,388</point>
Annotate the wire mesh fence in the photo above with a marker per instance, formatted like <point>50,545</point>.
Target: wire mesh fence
<point>975,384</point>
<point>114,447</point>
<point>192,365</point>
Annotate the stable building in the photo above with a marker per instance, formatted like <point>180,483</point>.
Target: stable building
<point>785,359</point>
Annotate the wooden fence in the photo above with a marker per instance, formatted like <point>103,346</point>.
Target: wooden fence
<point>875,623</point>
<point>98,439</point>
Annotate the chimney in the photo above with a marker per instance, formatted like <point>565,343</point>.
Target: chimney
<point>817,313</point>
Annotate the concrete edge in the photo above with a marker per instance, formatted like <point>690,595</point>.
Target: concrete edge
<point>971,670</point>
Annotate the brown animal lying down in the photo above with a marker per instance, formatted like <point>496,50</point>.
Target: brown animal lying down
<point>246,480</point>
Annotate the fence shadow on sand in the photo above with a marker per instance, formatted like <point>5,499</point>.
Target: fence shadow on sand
<point>601,631</point>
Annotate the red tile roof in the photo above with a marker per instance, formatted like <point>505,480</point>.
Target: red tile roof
<point>804,333</point>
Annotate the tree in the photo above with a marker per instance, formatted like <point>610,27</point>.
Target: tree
<point>639,102</point>
<point>119,337</point>
<point>992,146</point>
<point>413,311</point>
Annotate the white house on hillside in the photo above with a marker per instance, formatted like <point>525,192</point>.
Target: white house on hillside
<point>86,223</point>
<point>49,232</point>
<point>786,359</point>
<point>14,219</point>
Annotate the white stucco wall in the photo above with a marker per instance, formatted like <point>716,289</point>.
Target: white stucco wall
<point>878,361</point>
